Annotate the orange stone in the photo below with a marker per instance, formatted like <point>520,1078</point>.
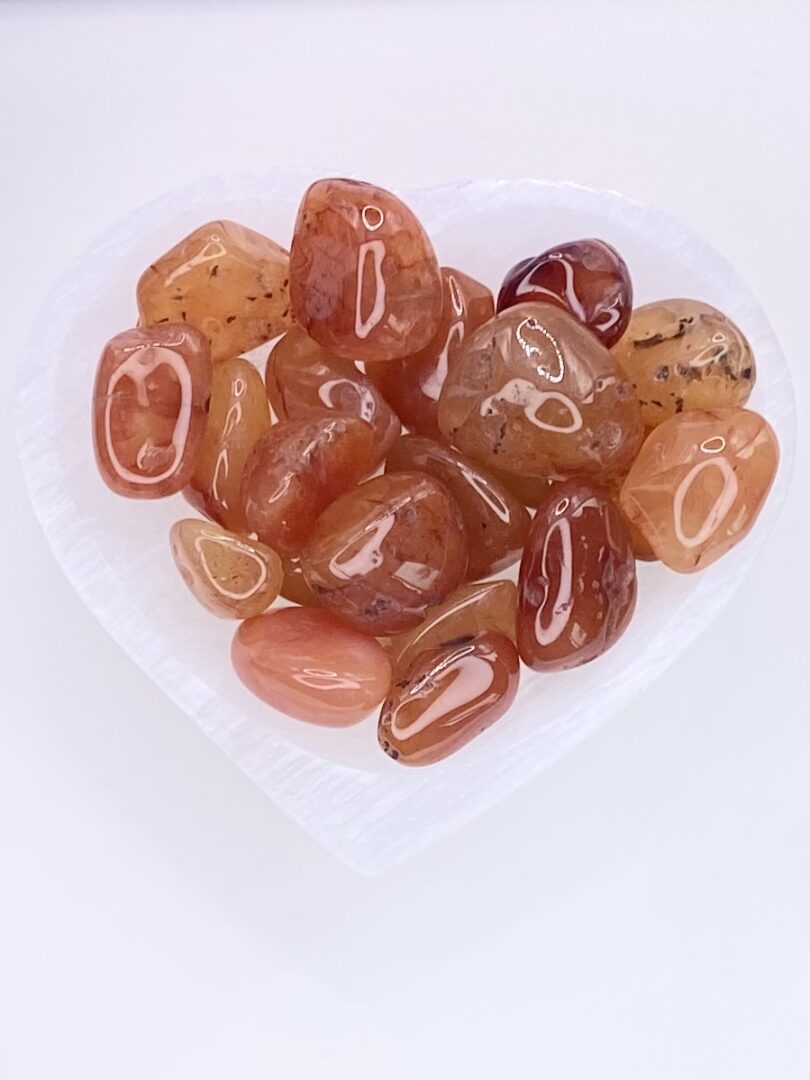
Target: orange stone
<point>413,384</point>
<point>149,409</point>
<point>294,587</point>
<point>496,522</point>
<point>577,586</point>
<point>534,393</point>
<point>447,696</point>
<point>482,605</point>
<point>296,470</point>
<point>364,279</point>
<point>237,418</point>
<point>303,380</point>
<point>231,577</point>
<point>231,282</point>
<point>310,665</point>
<point>699,483</point>
<point>381,555</point>
<point>682,355</point>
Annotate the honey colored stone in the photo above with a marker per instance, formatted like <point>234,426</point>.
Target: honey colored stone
<point>699,483</point>
<point>530,490</point>
<point>310,665</point>
<point>364,279</point>
<point>587,278</point>
<point>577,586</point>
<point>237,418</point>
<point>149,409</point>
<point>231,577</point>
<point>447,696</point>
<point>682,355</point>
<point>496,522</point>
<point>304,380</point>
<point>413,384</point>
<point>294,587</point>
<point>231,282</point>
<point>296,470</point>
<point>482,605</point>
<point>381,555</point>
<point>533,393</point>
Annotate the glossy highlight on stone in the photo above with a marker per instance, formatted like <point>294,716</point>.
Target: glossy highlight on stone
<point>699,483</point>
<point>447,696</point>
<point>413,384</point>
<point>682,355</point>
<point>231,282</point>
<point>533,393</point>
<point>308,664</point>
<point>384,553</point>
<point>473,607</point>
<point>496,522</point>
<point>296,470</point>
<point>237,418</point>
<point>149,409</point>
<point>304,380</point>
<point>587,278</point>
<point>231,577</point>
<point>364,280</point>
<point>577,585</point>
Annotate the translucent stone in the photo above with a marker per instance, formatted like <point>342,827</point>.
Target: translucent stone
<point>533,393</point>
<point>231,282</point>
<point>294,587</point>
<point>381,555</point>
<point>237,418</point>
<point>304,380</point>
<point>699,483</point>
<point>310,665</point>
<point>682,355</point>
<point>413,384</point>
<point>496,522</point>
<point>577,586</point>
<point>296,470</point>
<point>149,409</point>
<point>231,577</point>
<point>447,696</point>
<point>481,605</point>
<point>364,279</point>
<point>587,278</point>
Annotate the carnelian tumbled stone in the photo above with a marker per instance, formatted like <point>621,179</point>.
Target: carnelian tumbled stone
<point>587,278</point>
<point>381,555</point>
<point>231,282</point>
<point>447,696</point>
<point>533,393</point>
<point>682,355</point>
<point>296,469</point>
<point>149,401</point>
<point>237,418</point>
<point>413,384</point>
<point>231,577</point>
<point>496,522</point>
<point>304,380</point>
<point>699,483</point>
<point>364,279</point>
<point>577,586</point>
<point>310,665</point>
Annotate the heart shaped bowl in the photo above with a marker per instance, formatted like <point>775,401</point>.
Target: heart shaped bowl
<point>337,784</point>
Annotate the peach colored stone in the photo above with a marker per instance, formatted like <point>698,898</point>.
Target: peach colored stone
<point>231,282</point>
<point>364,279</point>
<point>699,483</point>
<point>310,665</point>
<point>231,577</point>
<point>304,381</point>
<point>149,404</point>
<point>381,555</point>
<point>533,393</point>
<point>237,418</point>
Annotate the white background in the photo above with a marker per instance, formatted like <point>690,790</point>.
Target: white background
<point>638,913</point>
